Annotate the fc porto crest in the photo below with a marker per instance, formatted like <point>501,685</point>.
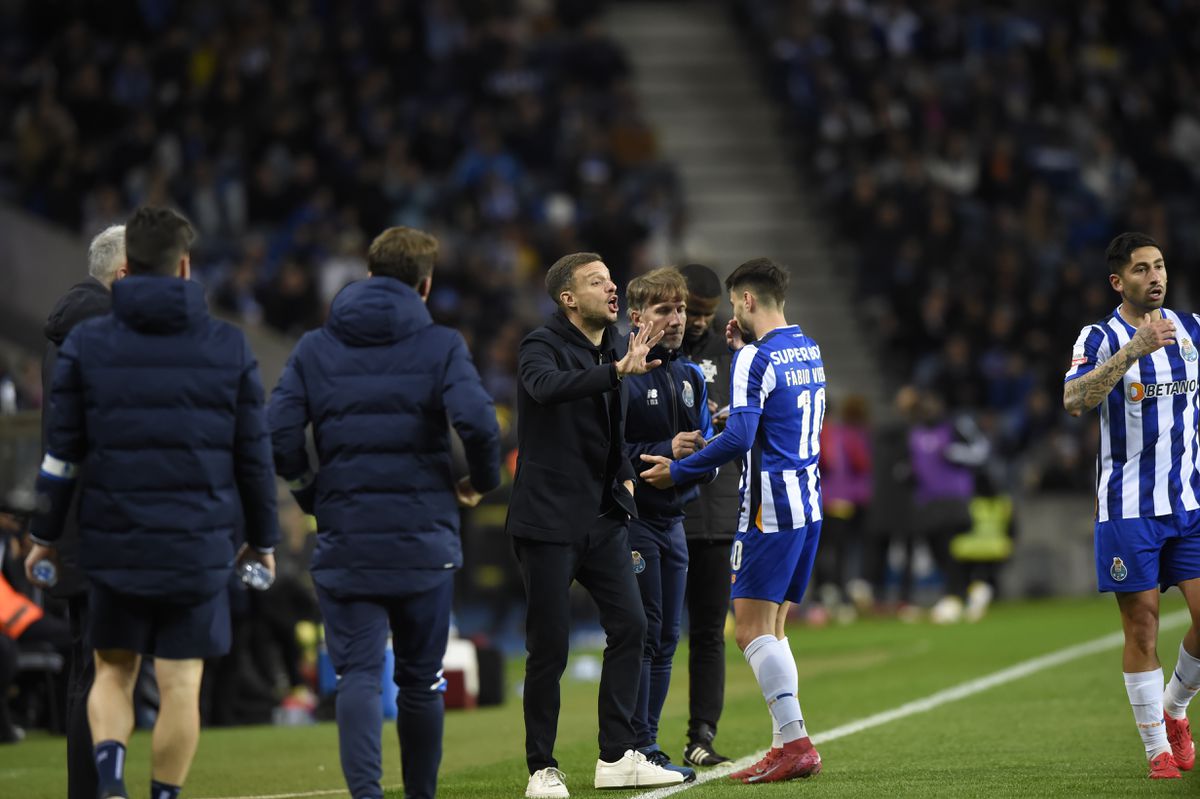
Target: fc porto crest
<point>1188,350</point>
<point>639,563</point>
<point>1118,571</point>
<point>689,395</point>
<point>709,370</point>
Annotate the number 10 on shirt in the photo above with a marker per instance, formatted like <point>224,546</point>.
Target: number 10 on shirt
<point>811,405</point>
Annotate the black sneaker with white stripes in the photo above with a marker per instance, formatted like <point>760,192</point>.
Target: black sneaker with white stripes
<point>701,753</point>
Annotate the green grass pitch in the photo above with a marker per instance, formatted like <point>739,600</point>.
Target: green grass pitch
<point>1063,731</point>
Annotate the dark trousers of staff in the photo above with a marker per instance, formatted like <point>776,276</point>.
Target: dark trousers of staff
<point>601,561</point>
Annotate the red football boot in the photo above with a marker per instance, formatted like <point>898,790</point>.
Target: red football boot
<point>798,759</point>
<point>767,761</point>
<point>1163,767</point>
<point>1179,734</point>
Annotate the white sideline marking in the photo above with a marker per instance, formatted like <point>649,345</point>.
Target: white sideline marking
<point>960,691</point>
<point>335,792</point>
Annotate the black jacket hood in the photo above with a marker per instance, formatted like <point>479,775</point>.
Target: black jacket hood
<point>563,327</point>
<point>83,301</point>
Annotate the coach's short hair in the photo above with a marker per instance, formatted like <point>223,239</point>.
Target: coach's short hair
<point>702,281</point>
<point>767,279</point>
<point>404,253</point>
<point>665,284</point>
<point>155,240</point>
<point>106,253</point>
<point>1120,250</point>
<point>561,276</point>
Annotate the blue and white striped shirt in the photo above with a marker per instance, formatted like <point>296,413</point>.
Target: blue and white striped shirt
<point>782,378</point>
<point>1149,460</point>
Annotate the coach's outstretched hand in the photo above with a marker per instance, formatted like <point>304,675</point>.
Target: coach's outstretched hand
<point>658,475</point>
<point>640,344</point>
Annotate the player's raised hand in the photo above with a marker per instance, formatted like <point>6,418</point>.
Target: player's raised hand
<point>640,344</point>
<point>733,335</point>
<point>1154,335</point>
<point>658,475</point>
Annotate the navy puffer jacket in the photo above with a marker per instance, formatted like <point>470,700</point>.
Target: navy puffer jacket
<point>165,406</point>
<point>381,384</point>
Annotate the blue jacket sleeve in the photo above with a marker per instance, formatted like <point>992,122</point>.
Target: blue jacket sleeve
<point>635,449</point>
<point>473,415</point>
<point>66,446</point>
<point>702,392</point>
<point>549,385</point>
<point>739,434</point>
<point>705,419</point>
<point>252,459</point>
<point>287,418</point>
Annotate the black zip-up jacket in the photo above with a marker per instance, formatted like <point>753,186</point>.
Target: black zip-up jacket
<point>665,401</point>
<point>83,301</point>
<point>714,516</point>
<point>570,431</point>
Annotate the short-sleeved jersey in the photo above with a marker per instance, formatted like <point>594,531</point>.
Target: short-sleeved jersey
<point>782,378</point>
<point>1149,459</point>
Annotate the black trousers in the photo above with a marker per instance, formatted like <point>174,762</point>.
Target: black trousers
<point>600,559</point>
<point>707,605</point>
<point>81,766</point>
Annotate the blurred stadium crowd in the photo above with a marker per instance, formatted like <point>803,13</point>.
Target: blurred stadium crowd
<point>981,157</point>
<point>291,133</point>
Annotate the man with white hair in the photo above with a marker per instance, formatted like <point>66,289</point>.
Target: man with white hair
<point>92,297</point>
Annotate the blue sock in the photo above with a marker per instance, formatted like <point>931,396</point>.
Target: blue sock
<point>110,768</point>
<point>161,790</point>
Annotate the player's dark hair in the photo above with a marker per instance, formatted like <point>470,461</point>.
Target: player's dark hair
<point>701,281</point>
<point>561,276</point>
<point>404,253</point>
<point>767,279</point>
<point>1120,250</point>
<point>155,241</point>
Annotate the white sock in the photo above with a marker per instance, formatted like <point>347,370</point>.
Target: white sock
<point>1145,689</point>
<point>775,669</point>
<point>1184,684</point>
<point>776,735</point>
<point>799,730</point>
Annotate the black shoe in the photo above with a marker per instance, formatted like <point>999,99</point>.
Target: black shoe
<point>702,754</point>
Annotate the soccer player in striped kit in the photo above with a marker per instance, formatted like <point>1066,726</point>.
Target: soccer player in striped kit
<point>776,409</point>
<point>1140,368</point>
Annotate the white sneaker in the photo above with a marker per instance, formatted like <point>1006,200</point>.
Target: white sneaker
<point>979,597</point>
<point>634,771</point>
<point>547,783</point>
<point>947,610</point>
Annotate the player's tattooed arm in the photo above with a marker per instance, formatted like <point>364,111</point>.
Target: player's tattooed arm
<point>1084,393</point>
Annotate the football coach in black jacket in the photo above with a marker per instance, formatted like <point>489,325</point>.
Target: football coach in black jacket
<point>163,406</point>
<point>571,501</point>
<point>378,383</point>
<point>90,298</point>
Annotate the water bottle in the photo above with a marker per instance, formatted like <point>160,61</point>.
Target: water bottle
<point>255,575</point>
<point>45,573</point>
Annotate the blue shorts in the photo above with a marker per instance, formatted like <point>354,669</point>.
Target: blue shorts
<point>773,566</point>
<point>158,627</point>
<point>1140,554</point>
